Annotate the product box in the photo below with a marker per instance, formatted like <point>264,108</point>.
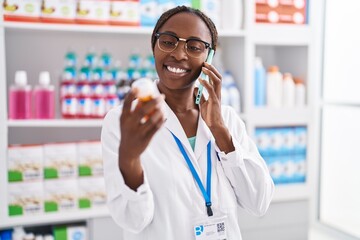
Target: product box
<point>93,11</point>
<point>89,159</point>
<point>281,11</point>
<point>148,13</point>
<point>164,5</point>
<point>60,160</point>
<point>25,163</point>
<point>125,12</point>
<point>58,11</point>
<point>60,195</point>
<point>212,8</point>
<point>276,168</point>
<point>92,193</point>
<point>300,140</point>
<point>22,10</point>
<point>263,141</point>
<point>288,134</point>
<point>25,198</point>
<point>72,232</point>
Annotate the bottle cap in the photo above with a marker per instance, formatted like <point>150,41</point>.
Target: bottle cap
<point>287,76</point>
<point>20,78</point>
<point>273,69</point>
<point>44,78</point>
<point>298,81</point>
<point>146,88</point>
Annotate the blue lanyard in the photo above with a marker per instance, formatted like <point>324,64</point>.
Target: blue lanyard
<point>207,193</point>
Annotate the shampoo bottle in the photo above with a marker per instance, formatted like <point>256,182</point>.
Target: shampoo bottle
<point>44,98</point>
<point>20,97</point>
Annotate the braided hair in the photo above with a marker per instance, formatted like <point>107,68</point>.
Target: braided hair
<point>168,14</point>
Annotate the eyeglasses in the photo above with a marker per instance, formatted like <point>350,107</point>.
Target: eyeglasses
<point>168,42</point>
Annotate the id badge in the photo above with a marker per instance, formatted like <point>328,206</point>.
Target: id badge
<point>210,228</point>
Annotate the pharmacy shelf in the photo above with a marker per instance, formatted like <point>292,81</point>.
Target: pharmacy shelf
<point>56,123</point>
<point>283,35</point>
<point>78,28</point>
<point>272,117</point>
<point>53,218</point>
<point>291,192</point>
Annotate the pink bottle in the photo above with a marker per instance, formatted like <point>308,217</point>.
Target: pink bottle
<point>20,97</point>
<point>44,98</point>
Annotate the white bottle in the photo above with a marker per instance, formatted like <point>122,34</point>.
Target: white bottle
<point>259,83</point>
<point>18,233</point>
<point>274,87</point>
<point>288,91</point>
<point>300,93</point>
<point>232,14</point>
<point>233,91</point>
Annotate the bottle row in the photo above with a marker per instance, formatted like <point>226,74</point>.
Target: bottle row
<point>284,151</point>
<point>72,231</point>
<point>274,89</point>
<point>27,163</point>
<point>287,169</point>
<point>278,141</point>
<point>116,12</point>
<point>55,196</point>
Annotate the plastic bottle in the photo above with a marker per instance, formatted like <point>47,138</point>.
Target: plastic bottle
<point>260,83</point>
<point>232,14</point>
<point>20,97</point>
<point>233,91</point>
<point>18,233</point>
<point>105,59</point>
<point>300,93</point>
<point>98,103</point>
<point>288,91</point>
<point>44,98</point>
<point>274,87</point>
<point>84,101</point>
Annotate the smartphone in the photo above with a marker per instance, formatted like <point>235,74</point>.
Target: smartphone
<point>204,76</point>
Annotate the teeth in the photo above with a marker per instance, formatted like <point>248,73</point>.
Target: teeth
<point>176,70</point>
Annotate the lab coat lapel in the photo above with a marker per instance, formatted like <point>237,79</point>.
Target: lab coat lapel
<point>203,136</point>
<point>172,123</point>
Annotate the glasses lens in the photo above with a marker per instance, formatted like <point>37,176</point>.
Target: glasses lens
<point>195,48</point>
<point>167,43</point>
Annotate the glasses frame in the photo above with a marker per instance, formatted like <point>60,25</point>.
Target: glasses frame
<point>158,34</point>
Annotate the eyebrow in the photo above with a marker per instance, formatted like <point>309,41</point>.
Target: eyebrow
<point>191,37</point>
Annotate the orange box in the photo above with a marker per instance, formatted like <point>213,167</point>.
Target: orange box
<point>22,10</point>
<point>281,11</point>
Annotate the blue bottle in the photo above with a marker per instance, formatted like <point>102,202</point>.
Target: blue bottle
<point>259,83</point>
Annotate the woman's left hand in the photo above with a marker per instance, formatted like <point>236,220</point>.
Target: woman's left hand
<point>211,109</point>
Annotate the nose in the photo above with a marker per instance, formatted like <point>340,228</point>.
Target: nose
<point>180,51</point>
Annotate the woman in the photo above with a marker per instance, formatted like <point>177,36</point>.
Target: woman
<point>182,173</point>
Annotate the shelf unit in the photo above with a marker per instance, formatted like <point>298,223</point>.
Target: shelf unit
<point>38,46</point>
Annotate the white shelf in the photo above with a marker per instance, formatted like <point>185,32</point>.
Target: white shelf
<point>291,192</point>
<point>79,28</point>
<point>279,116</point>
<point>56,123</point>
<point>53,218</point>
<point>282,35</point>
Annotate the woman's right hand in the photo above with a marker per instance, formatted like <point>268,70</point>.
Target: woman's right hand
<point>136,135</point>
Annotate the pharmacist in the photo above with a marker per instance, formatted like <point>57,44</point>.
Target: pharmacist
<point>175,169</point>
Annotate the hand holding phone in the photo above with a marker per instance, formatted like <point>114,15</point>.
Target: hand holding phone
<point>204,76</point>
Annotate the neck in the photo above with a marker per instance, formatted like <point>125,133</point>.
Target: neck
<point>180,100</point>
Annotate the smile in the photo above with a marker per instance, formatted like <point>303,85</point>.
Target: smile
<point>175,70</point>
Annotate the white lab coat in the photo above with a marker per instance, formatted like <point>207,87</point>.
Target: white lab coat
<point>165,206</point>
